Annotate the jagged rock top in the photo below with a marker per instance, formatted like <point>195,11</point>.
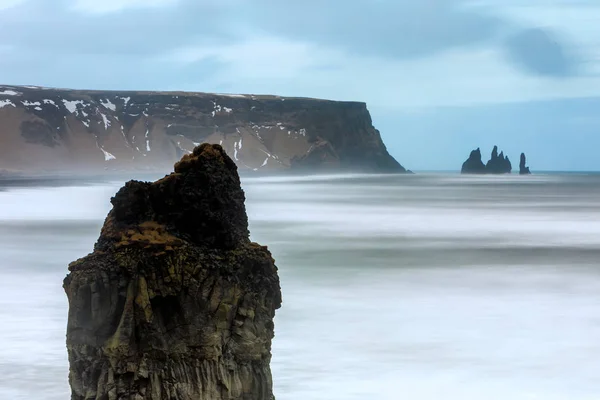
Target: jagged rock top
<point>175,302</point>
<point>497,164</point>
<point>201,202</point>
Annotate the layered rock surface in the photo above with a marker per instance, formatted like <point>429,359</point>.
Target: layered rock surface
<point>175,302</point>
<point>89,131</point>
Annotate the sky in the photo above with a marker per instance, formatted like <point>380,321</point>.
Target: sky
<point>440,77</point>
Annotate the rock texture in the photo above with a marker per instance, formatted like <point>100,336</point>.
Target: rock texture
<point>523,168</point>
<point>90,131</point>
<point>175,302</point>
<point>497,164</point>
<point>474,165</point>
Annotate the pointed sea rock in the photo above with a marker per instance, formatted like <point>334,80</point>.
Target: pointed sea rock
<point>523,168</point>
<point>175,302</point>
<point>473,165</point>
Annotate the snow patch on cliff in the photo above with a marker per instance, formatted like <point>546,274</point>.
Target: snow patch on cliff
<point>108,105</point>
<point>4,103</point>
<point>217,109</point>
<point>147,140</point>
<point>231,95</point>
<point>31,103</point>
<point>71,105</point>
<point>107,155</point>
<point>7,92</point>
<point>48,101</point>
<point>106,121</point>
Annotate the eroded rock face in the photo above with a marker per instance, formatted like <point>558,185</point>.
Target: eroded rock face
<point>175,302</point>
<point>497,164</point>
<point>523,168</point>
<point>84,131</point>
<point>474,165</point>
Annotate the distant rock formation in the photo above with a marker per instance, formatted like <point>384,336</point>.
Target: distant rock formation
<point>523,168</point>
<point>474,165</point>
<point>87,131</point>
<point>175,302</point>
<point>497,164</point>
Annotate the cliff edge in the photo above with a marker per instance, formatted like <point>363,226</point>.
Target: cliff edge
<point>88,131</point>
<point>175,302</point>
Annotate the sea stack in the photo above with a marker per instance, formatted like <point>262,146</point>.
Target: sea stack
<point>497,164</point>
<point>523,168</point>
<point>175,302</point>
<point>474,165</point>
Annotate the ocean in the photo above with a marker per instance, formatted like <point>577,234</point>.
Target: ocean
<point>395,287</point>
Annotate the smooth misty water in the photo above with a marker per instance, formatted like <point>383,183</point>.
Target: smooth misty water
<point>424,287</point>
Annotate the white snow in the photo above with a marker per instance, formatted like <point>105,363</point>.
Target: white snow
<point>38,108</point>
<point>231,95</point>
<point>86,123</point>
<point>31,103</point>
<point>235,151</point>
<point>303,132</point>
<point>282,128</point>
<point>279,124</point>
<point>126,100</point>
<point>4,103</point>
<point>108,105</point>
<point>107,155</point>
<point>218,108</point>
<point>240,144</point>
<point>10,93</point>
<point>47,101</point>
<point>106,121</point>
<point>145,113</point>
<point>170,125</point>
<point>71,105</point>
<point>265,162</point>
<point>221,142</point>
<point>147,140</point>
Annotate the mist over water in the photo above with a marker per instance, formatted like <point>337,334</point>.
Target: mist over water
<point>419,287</point>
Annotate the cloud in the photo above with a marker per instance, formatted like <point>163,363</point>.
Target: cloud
<point>538,51</point>
<point>109,6</point>
<point>392,54</point>
<point>6,4</point>
<point>398,29</point>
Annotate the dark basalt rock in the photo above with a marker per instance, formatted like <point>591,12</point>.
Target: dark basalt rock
<point>497,164</point>
<point>523,168</point>
<point>175,302</point>
<point>474,165</point>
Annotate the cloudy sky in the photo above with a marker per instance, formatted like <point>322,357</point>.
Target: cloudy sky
<point>440,77</point>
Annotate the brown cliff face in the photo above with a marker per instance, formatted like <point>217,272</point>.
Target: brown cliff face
<point>90,131</point>
<point>175,302</point>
